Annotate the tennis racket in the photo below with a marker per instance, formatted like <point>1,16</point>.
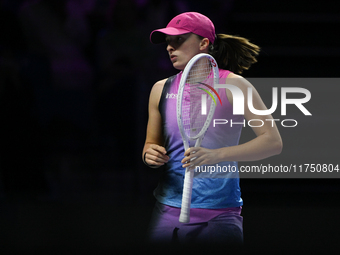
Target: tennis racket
<point>195,109</point>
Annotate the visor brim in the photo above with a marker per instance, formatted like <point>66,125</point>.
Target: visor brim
<point>158,36</point>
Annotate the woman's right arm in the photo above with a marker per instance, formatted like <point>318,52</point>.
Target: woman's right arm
<point>154,154</point>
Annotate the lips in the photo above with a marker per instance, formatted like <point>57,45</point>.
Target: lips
<point>173,58</point>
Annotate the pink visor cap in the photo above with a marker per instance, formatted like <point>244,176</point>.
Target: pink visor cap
<point>187,22</point>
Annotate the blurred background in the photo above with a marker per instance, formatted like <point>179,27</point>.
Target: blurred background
<point>75,76</point>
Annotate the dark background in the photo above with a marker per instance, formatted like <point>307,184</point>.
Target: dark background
<point>74,83</point>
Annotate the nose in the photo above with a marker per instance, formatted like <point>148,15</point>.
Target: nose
<point>170,48</point>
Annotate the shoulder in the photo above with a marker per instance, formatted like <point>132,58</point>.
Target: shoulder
<point>158,87</point>
<point>239,81</point>
<point>156,92</point>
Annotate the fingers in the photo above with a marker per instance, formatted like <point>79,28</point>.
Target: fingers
<point>187,152</point>
<point>156,155</point>
<point>191,150</point>
<point>191,155</point>
<point>158,148</point>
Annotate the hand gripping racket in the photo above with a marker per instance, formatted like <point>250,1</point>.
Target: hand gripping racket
<point>195,109</point>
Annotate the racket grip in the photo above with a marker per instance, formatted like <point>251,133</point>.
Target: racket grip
<point>184,216</point>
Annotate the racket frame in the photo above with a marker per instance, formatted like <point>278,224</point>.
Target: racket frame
<point>189,174</point>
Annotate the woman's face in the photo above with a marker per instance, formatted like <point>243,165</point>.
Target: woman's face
<point>182,48</point>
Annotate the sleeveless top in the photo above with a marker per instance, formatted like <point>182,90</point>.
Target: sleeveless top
<point>214,186</point>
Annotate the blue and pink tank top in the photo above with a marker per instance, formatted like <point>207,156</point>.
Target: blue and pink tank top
<point>214,186</point>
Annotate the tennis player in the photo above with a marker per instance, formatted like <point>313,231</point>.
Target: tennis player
<point>215,214</point>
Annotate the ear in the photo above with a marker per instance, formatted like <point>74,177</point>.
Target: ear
<point>204,44</point>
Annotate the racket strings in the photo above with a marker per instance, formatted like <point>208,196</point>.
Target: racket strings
<point>200,75</point>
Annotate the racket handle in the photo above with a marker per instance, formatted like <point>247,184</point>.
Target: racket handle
<point>186,197</point>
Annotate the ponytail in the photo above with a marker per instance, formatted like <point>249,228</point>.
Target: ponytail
<point>234,53</point>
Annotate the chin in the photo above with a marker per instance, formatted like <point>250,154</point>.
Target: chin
<point>178,66</point>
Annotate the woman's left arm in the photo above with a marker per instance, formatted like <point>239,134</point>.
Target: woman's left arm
<point>267,142</point>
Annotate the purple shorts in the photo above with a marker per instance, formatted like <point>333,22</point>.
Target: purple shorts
<point>206,225</point>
